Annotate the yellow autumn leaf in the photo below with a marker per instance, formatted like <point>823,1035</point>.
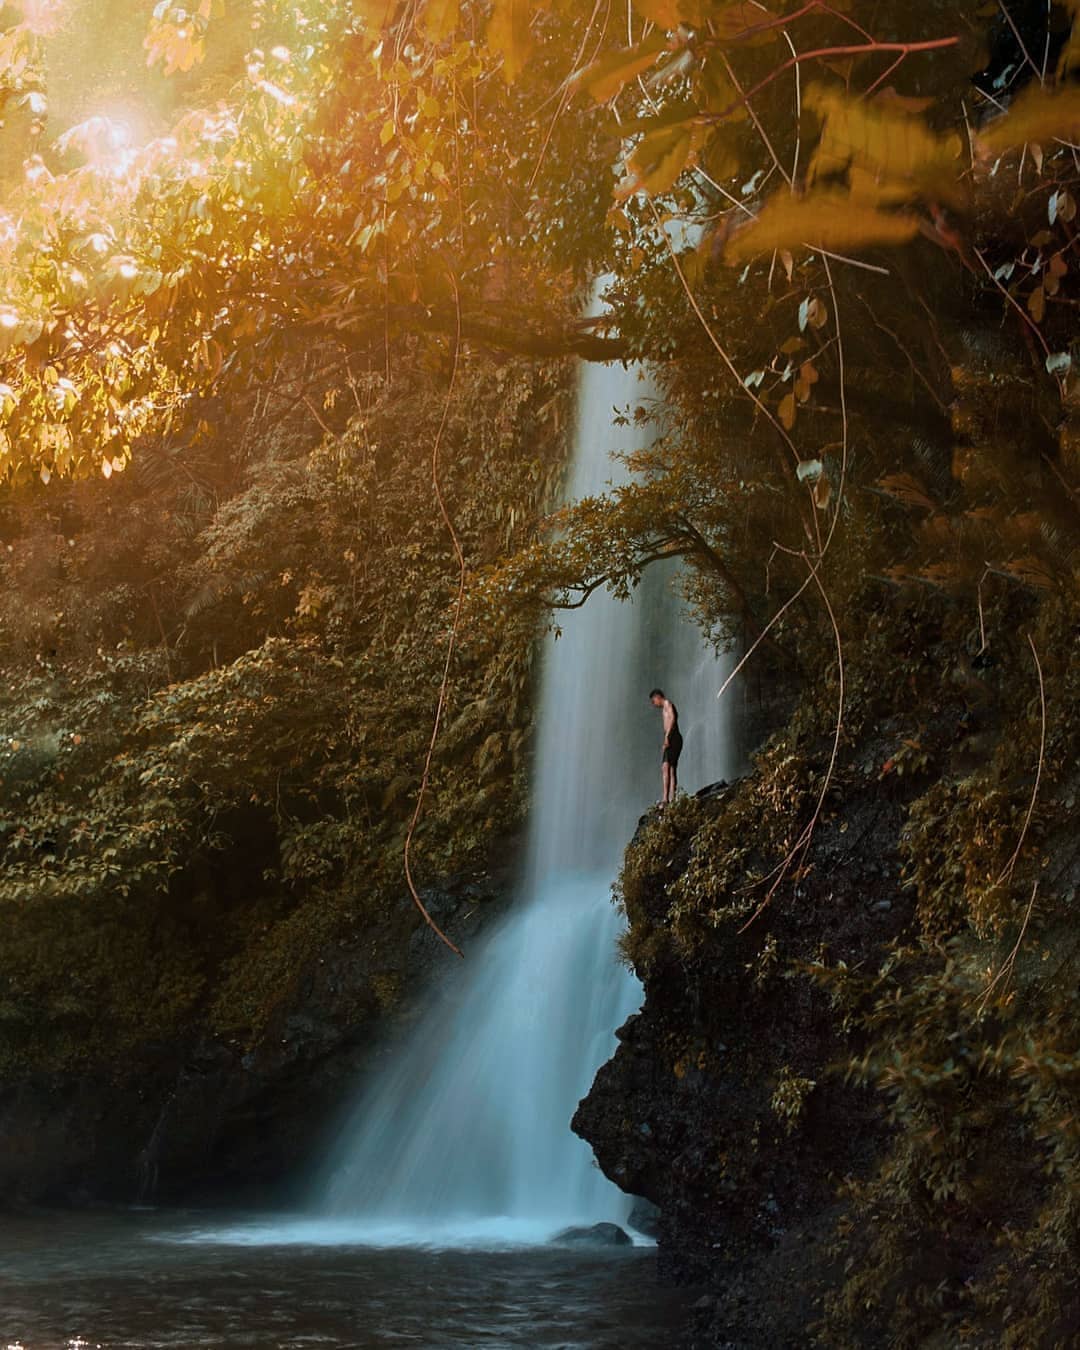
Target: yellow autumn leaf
<point>1036,115</point>
<point>606,77</point>
<point>657,160</point>
<point>1070,53</point>
<point>940,574</point>
<point>376,14</point>
<point>509,36</point>
<point>906,488</point>
<point>1032,571</point>
<point>439,19</point>
<point>884,144</point>
<point>734,21</point>
<point>671,13</point>
<point>869,189</point>
<point>821,220</point>
<point>663,12</point>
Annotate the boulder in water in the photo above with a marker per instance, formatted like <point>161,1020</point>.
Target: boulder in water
<point>644,1218</point>
<point>595,1235</point>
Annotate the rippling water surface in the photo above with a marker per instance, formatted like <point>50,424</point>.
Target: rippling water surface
<point>192,1280</point>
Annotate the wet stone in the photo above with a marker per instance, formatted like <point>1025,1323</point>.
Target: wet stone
<point>594,1235</point>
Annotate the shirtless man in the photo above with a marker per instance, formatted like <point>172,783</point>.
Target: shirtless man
<point>673,742</point>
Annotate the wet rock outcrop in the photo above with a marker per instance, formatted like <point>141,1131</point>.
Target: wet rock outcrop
<point>721,1105</point>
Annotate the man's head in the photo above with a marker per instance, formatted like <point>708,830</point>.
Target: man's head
<point>657,698</point>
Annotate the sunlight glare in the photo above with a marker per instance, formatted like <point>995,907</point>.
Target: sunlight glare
<point>42,17</point>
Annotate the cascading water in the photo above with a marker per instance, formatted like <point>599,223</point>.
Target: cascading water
<point>466,1135</point>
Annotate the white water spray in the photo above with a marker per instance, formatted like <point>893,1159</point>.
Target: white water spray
<point>466,1136</point>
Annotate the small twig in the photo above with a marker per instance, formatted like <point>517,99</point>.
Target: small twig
<point>788,178</point>
<point>351,381</point>
<point>565,95</point>
<point>933,329</point>
<point>983,644</point>
<point>318,418</point>
<point>749,393</point>
<point>451,640</point>
<point>936,44</point>
<point>910,360</point>
<point>1008,965</point>
<point>798,86</point>
<point>804,839</point>
<point>843,412</point>
<point>1040,75</point>
<point>1012,301</point>
<point>970,133</point>
<point>1007,870</point>
<point>755,30</point>
<point>884,75</point>
<point>843,258</point>
<point>1046,45</point>
<point>386,291</point>
<point>719,187</point>
<point>763,635</point>
<point>1059,475</point>
<point>161,630</point>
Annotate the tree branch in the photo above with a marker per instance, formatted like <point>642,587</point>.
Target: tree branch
<point>502,332</point>
<point>863,49</point>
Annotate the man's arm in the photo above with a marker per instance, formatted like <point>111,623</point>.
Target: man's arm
<point>669,721</point>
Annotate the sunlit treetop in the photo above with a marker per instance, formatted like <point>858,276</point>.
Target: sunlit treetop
<point>337,172</point>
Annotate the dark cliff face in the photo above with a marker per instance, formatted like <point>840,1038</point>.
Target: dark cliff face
<point>213,1121</point>
<point>720,1104</point>
<point>848,1091</point>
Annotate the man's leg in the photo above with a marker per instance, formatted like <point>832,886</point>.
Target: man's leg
<point>673,780</point>
<point>665,780</point>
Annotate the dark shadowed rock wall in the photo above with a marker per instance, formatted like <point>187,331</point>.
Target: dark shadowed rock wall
<point>213,1121</point>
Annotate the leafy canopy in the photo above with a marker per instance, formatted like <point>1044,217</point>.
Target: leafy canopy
<point>369,167</point>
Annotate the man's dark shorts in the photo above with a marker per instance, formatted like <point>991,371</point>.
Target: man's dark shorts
<point>673,749</point>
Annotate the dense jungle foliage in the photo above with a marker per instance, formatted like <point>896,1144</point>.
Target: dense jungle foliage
<point>844,234</point>
<point>221,676</point>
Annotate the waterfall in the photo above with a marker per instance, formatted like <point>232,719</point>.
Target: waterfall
<point>465,1136</point>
